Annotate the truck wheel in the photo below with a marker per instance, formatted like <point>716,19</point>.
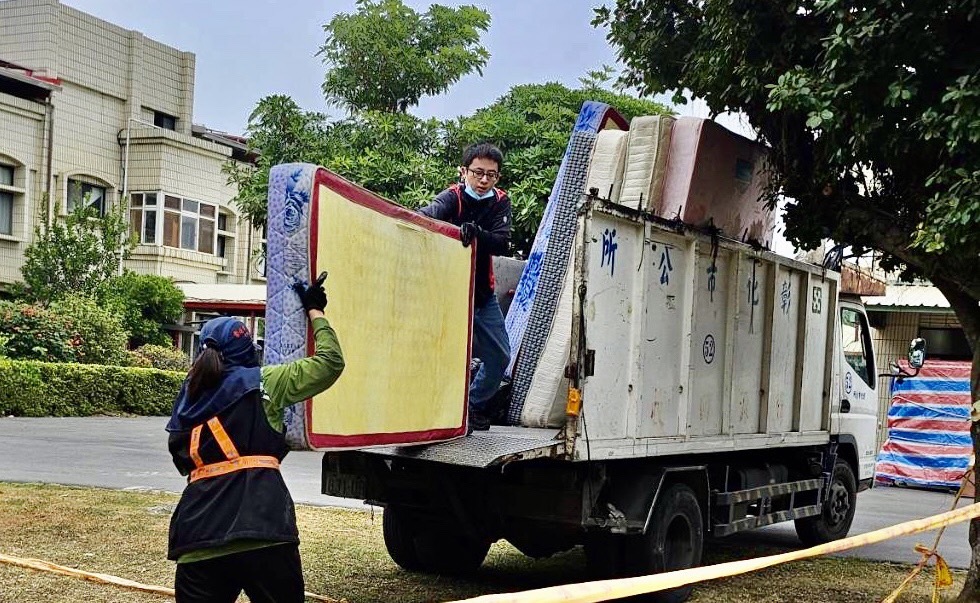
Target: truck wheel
<point>443,548</point>
<point>399,535</point>
<point>838,510</point>
<point>674,541</point>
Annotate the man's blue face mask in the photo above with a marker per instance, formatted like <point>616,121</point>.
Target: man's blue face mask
<point>475,195</point>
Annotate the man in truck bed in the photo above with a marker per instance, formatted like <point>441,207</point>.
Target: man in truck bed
<point>483,214</point>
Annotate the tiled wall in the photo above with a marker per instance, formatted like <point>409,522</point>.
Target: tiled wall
<point>21,146</point>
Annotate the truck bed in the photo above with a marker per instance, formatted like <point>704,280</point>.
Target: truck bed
<point>498,446</point>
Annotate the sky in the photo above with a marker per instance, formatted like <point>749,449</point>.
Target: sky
<point>248,49</point>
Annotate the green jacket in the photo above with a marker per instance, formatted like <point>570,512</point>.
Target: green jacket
<point>284,385</point>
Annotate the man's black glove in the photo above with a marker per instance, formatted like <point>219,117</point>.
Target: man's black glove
<point>469,232</point>
<point>313,297</point>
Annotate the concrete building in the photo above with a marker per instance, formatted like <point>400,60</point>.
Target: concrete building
<point>92,112</point>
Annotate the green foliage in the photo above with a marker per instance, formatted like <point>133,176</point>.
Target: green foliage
<point>98,335</point>
<point>136,360</point>
<point>42,389</point>
<point>386,56</point>
<point>36,333</point>
<point>74,328</point>
<point>164,358</point>
<point>77,254</point>
<point>281,132</point>
<point>871,110</point>
<point>409,160</point>
<point>397,156</point>
<point>146,303</point>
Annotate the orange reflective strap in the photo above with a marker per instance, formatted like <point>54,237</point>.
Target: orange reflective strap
<point>222,438</point>
<point>195,443</point>
<point>236,464</point>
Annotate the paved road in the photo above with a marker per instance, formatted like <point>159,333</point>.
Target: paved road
<point>131,453</point>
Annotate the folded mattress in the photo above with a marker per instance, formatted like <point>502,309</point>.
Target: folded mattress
<point>646,162</point>
<point>551,274</point>
<point>606,167</point>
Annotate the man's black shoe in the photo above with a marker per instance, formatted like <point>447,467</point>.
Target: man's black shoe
<point>477,421</point>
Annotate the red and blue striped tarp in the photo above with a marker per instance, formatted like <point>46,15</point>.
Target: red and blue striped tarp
<point>928,441</point>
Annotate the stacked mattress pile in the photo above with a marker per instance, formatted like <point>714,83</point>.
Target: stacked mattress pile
<point>540,317</point>
<point>688,169</point>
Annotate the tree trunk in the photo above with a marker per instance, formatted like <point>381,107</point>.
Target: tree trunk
<point>968,312</point>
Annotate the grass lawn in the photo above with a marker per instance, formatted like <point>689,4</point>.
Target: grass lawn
<point>124,533</point>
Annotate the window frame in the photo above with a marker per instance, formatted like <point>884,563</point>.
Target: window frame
<point>16,194</point>
<point>82,183</point>
<point>164,120</point>
<point>869,375</point>
<point>182,213</point>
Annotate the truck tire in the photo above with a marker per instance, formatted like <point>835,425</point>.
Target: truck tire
<point>673,541</point>
<point>442,548</point>
<point>838,510</point>
<point>399,534</point>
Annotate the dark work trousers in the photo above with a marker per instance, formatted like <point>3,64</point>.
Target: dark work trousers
<point>272,574</point>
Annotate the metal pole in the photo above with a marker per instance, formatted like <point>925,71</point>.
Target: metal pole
<point>125,198</point>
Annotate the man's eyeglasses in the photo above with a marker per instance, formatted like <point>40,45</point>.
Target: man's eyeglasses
<point>480,174</point>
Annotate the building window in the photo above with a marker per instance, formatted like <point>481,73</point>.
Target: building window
<point>946,343</point>
<point>90,195</point>
<point>189,224</point>
<point>143,213</point>
<point>226,239</point>
<point>162,120</point>
<point>7,200</point>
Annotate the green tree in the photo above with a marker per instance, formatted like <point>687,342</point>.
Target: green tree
<point>146,303</point>
<point>386,56</point>
<point>77,254</point>
<point>279,131</point>
<point>872,111</point>
<point>409,160</point>
<point>531,125</point>
<point>395,155</point>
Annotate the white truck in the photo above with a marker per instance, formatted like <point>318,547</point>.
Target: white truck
<point>709,388</point>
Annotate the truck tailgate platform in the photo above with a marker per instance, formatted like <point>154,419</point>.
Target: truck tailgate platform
<point>498,446</point>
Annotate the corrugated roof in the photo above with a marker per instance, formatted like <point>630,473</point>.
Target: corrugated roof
<point>908,296</point>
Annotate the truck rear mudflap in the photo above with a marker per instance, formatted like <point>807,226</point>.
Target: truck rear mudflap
<point>498,446</point>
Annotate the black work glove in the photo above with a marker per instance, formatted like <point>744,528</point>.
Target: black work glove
<point>313,297</point>
<point>469,232</point>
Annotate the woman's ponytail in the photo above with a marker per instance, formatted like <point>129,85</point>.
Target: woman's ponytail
<point>206,372</point>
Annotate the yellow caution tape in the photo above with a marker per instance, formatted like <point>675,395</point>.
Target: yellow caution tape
<point>605,590</point>
<point>944,578</point>
<point>45,566</point>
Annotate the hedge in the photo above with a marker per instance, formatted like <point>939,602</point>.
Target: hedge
<point>29,388</point>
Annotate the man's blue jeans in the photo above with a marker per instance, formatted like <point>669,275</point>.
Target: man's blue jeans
<point>492,346</point>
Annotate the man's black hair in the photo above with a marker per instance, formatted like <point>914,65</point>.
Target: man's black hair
<point>483,150</point>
